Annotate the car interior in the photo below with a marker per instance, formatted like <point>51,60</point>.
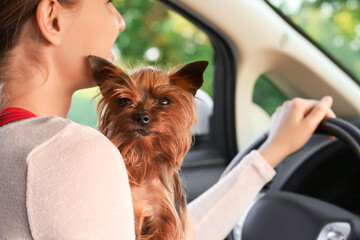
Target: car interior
<point>316,190</point>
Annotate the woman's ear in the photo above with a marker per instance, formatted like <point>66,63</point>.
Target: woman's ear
<point>49,20</point>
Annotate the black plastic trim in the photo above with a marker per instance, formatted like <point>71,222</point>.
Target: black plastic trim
<point>222,124</point>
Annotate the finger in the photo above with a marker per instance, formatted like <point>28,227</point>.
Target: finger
<point>319,111</point>
<point>330,114</point>
<point>307,105</point>
<point>286,103</point>
<point>302,107</point>
<point>275,116</point>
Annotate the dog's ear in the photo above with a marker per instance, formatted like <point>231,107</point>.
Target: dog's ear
<point>103,70</point>
<point>190,77</point>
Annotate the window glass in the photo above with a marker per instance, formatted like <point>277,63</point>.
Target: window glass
<point>267,95</point>
<point>83,107</point>
<point>154,35</point>
<point>334,24</point>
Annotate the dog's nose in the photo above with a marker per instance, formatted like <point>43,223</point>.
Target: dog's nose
<point>143,118</point>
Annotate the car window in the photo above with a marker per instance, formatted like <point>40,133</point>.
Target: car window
<point>154,35</point>
<point>332,24</point>
<point>267,95</point>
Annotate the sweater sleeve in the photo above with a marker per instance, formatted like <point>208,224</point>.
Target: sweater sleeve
<point>216,211</point>
<point>77,188</point>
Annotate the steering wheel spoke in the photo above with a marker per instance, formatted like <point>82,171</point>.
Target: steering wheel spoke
<point>285,215</point>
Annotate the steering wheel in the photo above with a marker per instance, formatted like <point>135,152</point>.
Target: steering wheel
<point>278,215</point>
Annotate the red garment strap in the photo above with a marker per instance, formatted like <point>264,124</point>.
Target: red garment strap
<point>12,114</point>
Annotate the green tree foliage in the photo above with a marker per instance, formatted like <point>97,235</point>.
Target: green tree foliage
<point>267,95</point>
<point>157,36</point>
<point>334,24</point>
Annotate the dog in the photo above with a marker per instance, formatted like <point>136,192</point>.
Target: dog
<point>149,116</point>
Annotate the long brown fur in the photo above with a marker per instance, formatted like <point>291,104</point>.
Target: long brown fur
<point>153,152</point>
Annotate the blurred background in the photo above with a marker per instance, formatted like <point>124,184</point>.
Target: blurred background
<point>157,36</point>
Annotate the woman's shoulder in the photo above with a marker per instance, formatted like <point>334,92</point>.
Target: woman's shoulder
<point>68,138</point>
<point>60,124</point>
<point>36,136</point>
<point>69,130</point>
<point>78,131</point>
<point>39,129</point>
<point>79,179</point>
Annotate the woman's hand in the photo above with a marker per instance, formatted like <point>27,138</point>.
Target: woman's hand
<point>292,125</point>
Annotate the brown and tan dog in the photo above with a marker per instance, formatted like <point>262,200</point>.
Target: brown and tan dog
<point>149,116</point>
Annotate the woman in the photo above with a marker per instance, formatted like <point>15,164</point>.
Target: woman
<point>61,180</point>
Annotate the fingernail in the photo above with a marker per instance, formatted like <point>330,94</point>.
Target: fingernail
<point>327,100</point>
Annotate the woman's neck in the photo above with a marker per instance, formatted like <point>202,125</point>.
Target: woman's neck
<point>45,107</point>
<point>42,87</point>
<point>42,97</point>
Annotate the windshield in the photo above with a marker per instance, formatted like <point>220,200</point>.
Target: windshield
<point>332,24</point>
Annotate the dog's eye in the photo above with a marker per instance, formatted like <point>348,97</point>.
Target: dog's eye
<point>164,101</point>
<point>124,101</point>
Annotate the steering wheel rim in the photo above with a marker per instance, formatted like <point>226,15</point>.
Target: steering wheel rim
<point>332,126</point>
<point>339,128</point>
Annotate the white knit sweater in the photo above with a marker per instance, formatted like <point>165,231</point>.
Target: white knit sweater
<point>62,180</point>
